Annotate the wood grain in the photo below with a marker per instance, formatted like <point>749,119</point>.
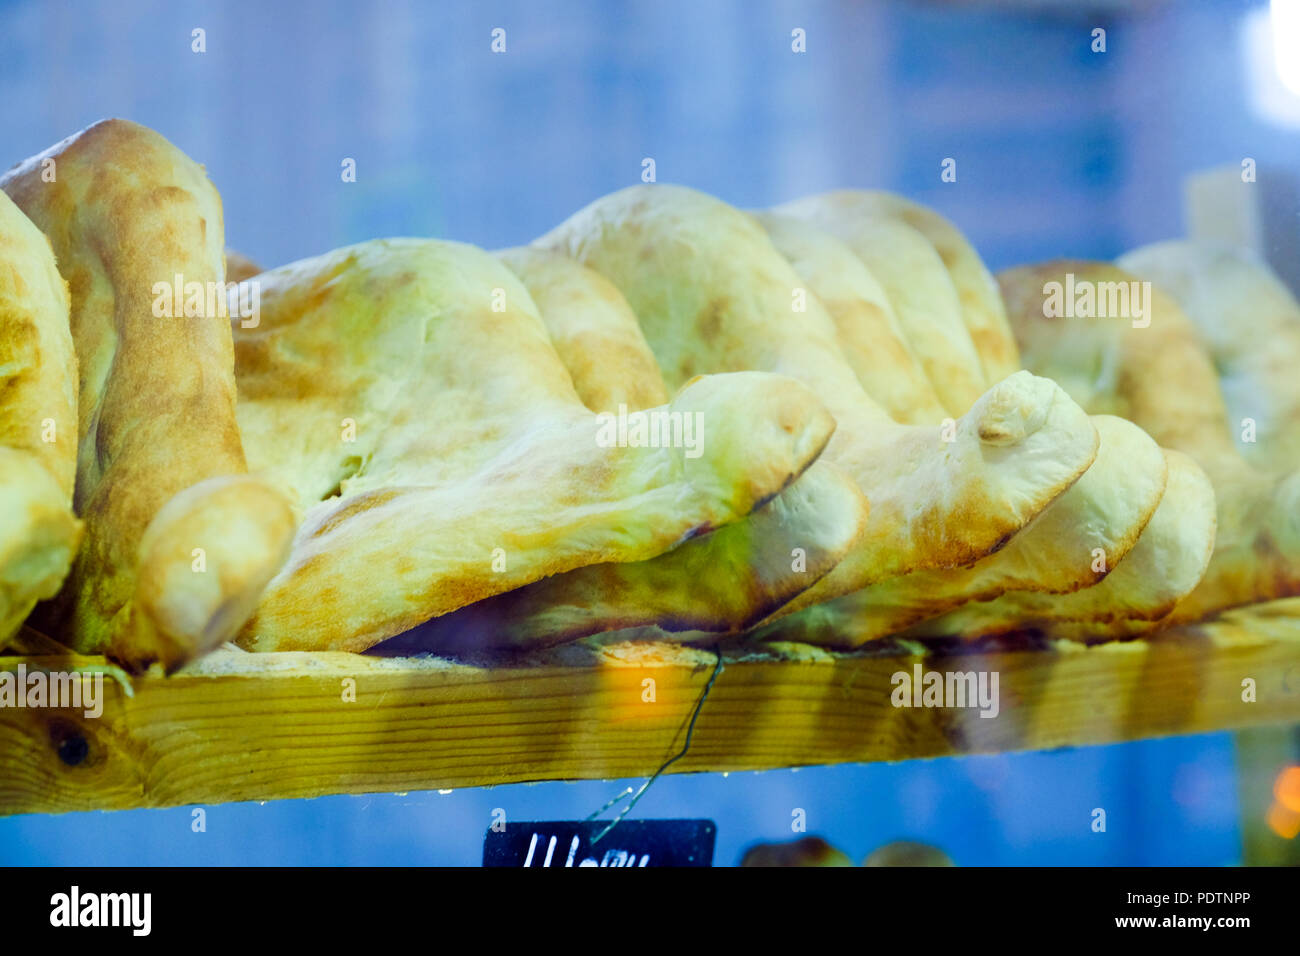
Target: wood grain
<point>239,726</point>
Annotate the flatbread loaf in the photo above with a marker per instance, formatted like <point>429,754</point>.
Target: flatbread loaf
<point>713,294</point>
<point>867,329</point>
<point>1071,545</point>
<point>1250,324</point>
<point>407,396</point>
<point>1155,370</point>
<point>982,310</point>
<point>38,422</point>
<point>1141,590</point>
<point>717,583</point>
<point>179,539</point>
<point>919,287</point>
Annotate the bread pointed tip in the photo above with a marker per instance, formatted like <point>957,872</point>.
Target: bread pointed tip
<point>756,433</point>
<point>1014,409</point>
<point>204,561</point>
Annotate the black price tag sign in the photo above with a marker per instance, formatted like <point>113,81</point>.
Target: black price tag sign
<point>630,843</point>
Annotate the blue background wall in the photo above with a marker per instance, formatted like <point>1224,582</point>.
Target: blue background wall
<point>1059,150</point>
<point>1167,802</point>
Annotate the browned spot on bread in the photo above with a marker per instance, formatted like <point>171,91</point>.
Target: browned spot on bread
<point>711,318</point>
<point>355,506</point>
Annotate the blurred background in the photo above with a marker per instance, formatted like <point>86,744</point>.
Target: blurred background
<point>1060,150</point>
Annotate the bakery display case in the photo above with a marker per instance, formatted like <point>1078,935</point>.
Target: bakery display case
<point>432,434</point>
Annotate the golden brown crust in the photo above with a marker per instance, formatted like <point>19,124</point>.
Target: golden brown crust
<point>38,421</point>
<point>1070,546</point>
<point>720,582</point>
<point>918,283</point>
<point>469,435</point>
<point>717,583</point>
<point>239,267</point>
<point>1249,323</point>
<point>593,329</point>
<point>1155,370</point>
<point>407,394</point>
<point>869,335</point>
<point>127,213</point>
<point>38,363</point>
<point>713,294</point>
<point>1157,375</point>
<point>982,310</point>
<point>1167,562</point>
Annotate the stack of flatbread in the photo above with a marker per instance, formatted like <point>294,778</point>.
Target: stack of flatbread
<point>666,418</point>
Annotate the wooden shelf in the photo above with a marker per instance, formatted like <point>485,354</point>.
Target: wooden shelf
<point>239,726</point>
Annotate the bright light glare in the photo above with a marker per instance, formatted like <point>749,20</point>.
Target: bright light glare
<point>1270,54</point>
<point>1285,15</point>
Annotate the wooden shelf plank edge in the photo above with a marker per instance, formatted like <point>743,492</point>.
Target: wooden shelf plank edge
<point>237,726</point>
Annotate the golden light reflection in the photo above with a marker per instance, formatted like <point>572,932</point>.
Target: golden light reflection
<point>1285,823</point>
<point>1283,816</point>
<point>1287,789</point>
